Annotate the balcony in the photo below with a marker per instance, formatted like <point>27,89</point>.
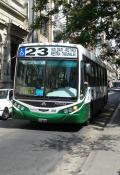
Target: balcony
<point>14,7</point>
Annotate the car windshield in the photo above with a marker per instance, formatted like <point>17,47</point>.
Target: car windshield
<point>3,94</point>
<point>47,79</point>
<point>116,84</point>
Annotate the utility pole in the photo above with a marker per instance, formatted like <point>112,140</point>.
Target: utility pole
<point>50,26</point>
<point>33,13</point>
<point>1,55</point>
<point>8,55</point>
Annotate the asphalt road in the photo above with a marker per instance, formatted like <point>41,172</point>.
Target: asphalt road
<point>36,149</point>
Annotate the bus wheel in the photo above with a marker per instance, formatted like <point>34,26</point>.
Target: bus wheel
<point>5,114</point>
<point>87,122</point>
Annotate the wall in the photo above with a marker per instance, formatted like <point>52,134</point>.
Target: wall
<point>13,29</point>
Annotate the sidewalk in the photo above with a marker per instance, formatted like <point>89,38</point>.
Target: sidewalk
<point>105,157</point>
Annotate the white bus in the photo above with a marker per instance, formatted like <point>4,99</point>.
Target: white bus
<point>58,83</point>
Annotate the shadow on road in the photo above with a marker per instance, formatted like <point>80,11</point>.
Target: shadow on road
<point>23,124</point>
<point>104,117</point>
<point>73,144</point>
<point>107,142</point>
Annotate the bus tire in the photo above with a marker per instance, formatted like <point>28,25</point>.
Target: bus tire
<point>87,122</point>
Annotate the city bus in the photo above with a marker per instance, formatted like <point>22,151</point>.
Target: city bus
<point>58,83</point>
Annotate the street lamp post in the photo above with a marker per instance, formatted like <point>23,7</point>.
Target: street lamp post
<point>2,62</point>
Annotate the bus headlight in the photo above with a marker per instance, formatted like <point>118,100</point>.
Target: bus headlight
<point>70,110</point>
<point>66,111</point>
<point>18,106</point>
<point>14,103</point>
<point>22,108</point>
<point>75,108</point>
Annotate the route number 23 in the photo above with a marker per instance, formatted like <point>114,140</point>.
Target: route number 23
<point>31,51</point>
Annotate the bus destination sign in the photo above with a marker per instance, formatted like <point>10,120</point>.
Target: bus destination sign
<point>65,52</point>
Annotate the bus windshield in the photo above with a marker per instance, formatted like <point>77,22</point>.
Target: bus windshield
<point>46,79</point>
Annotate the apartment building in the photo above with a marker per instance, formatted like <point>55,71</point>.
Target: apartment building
<point>16,17</point>
<point>45,32</point>
<point>13,30</point>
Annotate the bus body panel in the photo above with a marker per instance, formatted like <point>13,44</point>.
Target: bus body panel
<point>77,117</point>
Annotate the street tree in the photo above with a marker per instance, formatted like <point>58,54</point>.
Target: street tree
<point>88,22</point>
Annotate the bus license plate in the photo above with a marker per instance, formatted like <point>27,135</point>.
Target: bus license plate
<point>42,120</point>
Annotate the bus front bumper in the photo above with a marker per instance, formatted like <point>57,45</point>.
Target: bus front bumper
<point>50,118</point>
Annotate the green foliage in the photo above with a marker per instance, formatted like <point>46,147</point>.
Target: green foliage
<point>40,18</point>
<point>58,37</point>
<point>85,20</point>
<point>117,62</point>
<point>91,19</point>
<point>40,5</point>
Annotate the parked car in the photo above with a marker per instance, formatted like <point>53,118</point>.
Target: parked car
<point>115,85</point>
<point>6,96</point>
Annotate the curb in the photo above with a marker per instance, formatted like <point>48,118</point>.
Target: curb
<point>113,116</point>
<point>91,157</point>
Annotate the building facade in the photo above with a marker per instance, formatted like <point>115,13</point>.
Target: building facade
<point>16,17</point>
<point>43,34</point>
<point>13,30</point>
